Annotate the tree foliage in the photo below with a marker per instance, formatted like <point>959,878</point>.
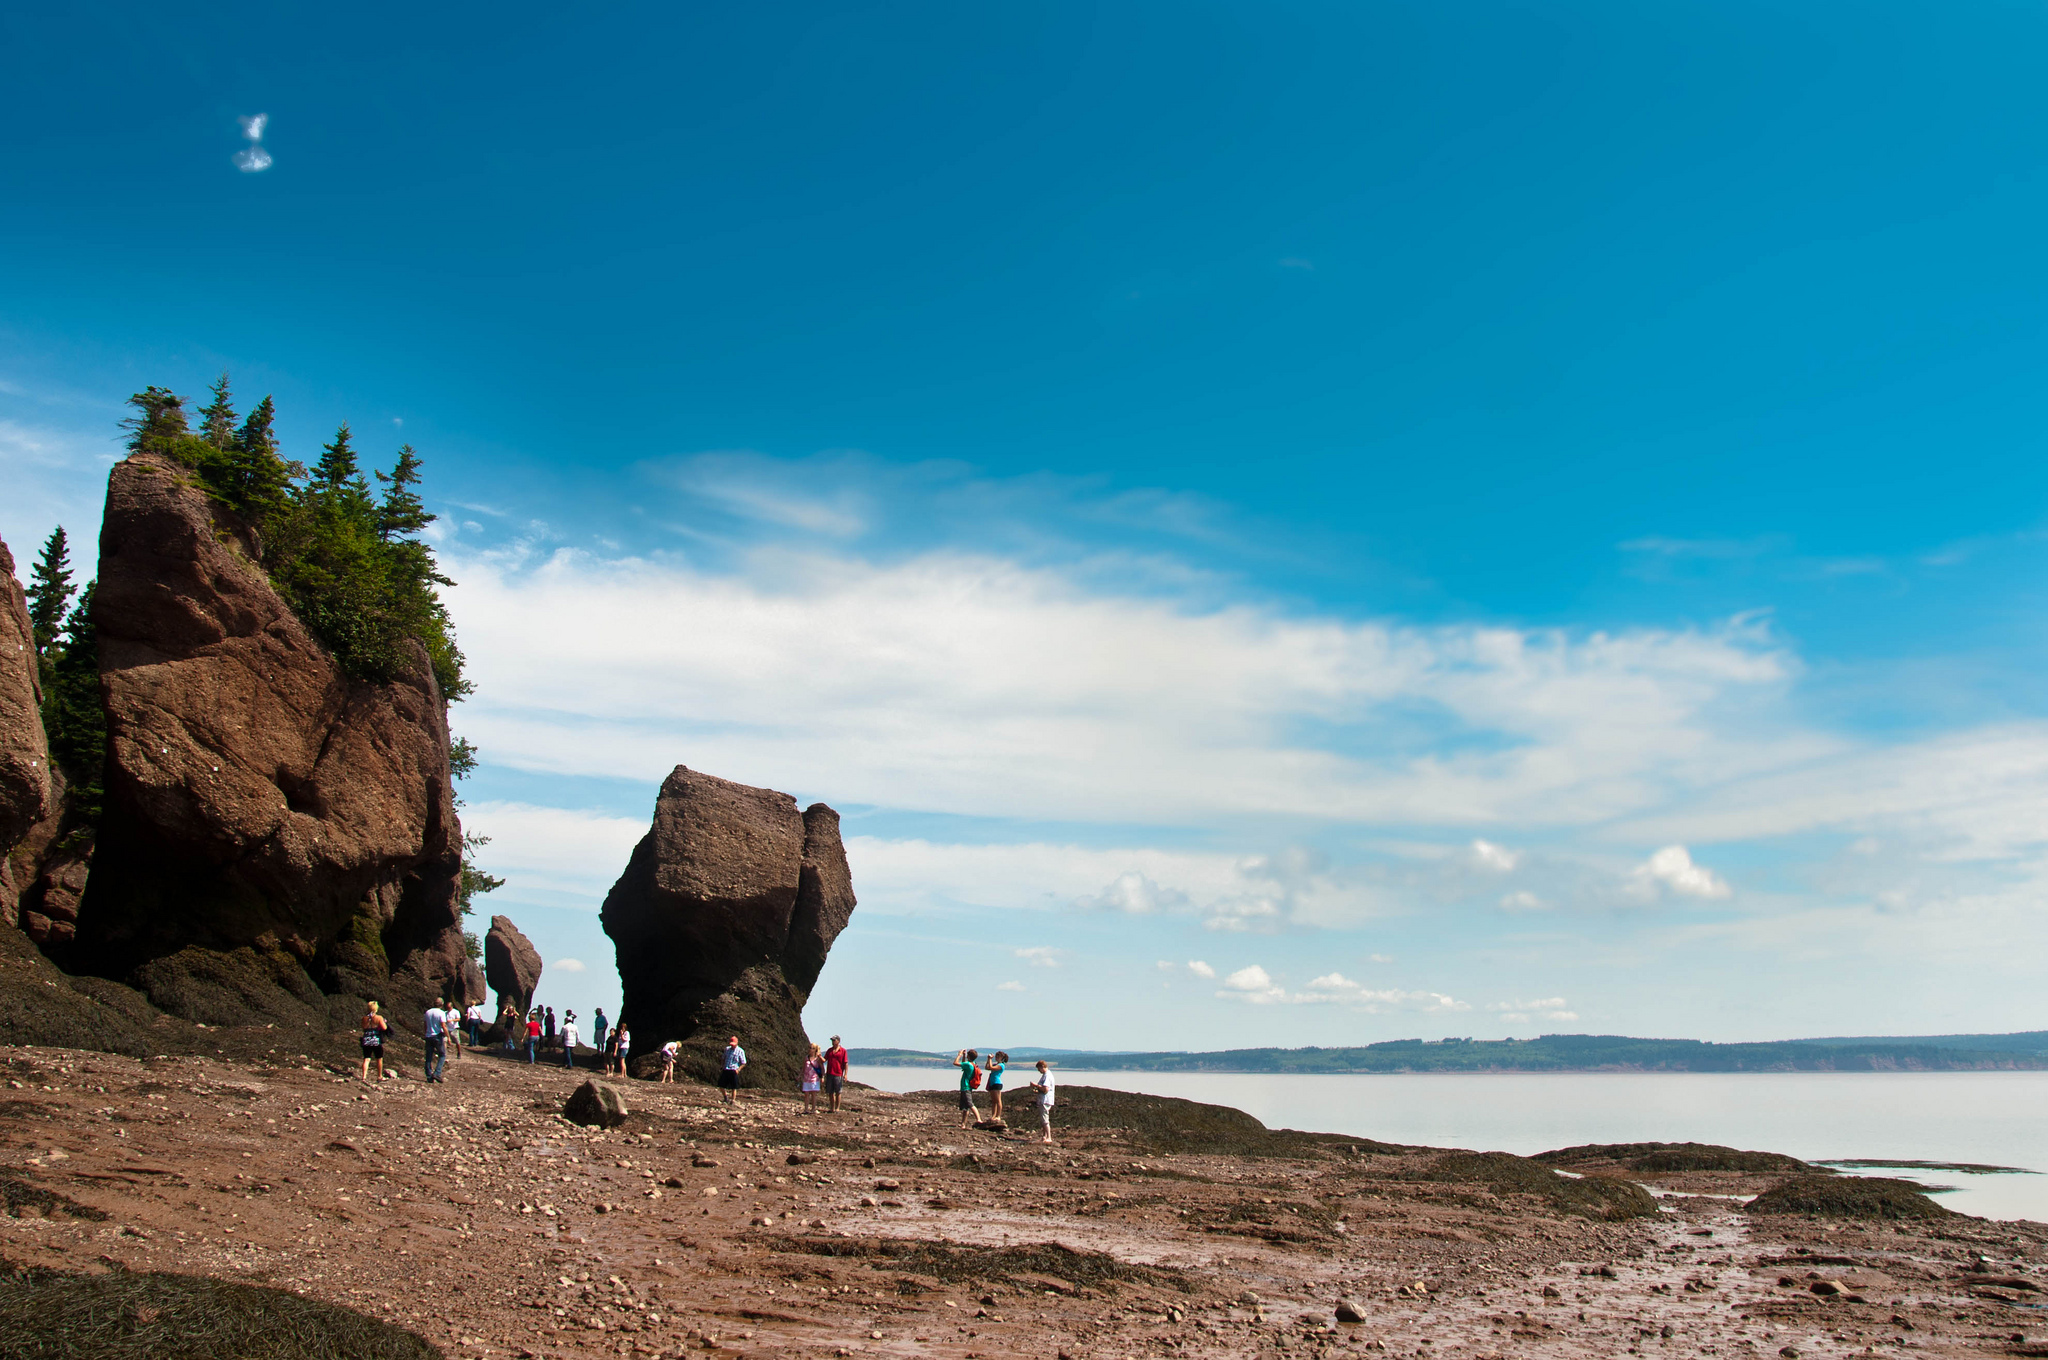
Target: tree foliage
<point>73,715</point>
<point>49,595</point>
<point>350,565</point>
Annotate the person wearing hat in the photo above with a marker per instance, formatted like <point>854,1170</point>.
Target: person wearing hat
<point>835,1074</point>
<point>731,1063</point>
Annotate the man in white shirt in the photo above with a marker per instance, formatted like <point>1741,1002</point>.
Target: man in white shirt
<point>437,1040</point>
<point>475,1016</point>
<point>451,1028</point>
<point>569,1039</point>
<point>1043,1087</point>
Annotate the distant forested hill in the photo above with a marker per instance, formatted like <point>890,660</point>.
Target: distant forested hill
<point>1555,1053</point>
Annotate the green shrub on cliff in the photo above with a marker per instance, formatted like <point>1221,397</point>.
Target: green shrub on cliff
<point>350,564</point>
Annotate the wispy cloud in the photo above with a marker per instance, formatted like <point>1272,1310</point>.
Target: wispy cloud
<point>254,157</point>
<point>1041,956</point>
<point>1009,986</point>
<point>568,966</point>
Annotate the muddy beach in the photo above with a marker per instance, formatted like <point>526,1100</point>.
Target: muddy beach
<point>473,1214</point>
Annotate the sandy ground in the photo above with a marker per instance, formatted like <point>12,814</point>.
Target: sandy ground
<point>472,1213</point>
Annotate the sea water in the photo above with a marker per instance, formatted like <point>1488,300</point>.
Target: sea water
<point>1988,1118</point>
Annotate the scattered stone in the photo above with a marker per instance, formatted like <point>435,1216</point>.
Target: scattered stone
<point>1350,1310</point>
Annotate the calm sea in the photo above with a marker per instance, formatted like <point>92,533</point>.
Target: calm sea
<point>1991,1118</point>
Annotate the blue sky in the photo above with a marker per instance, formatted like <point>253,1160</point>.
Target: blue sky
<point>1453,518</point>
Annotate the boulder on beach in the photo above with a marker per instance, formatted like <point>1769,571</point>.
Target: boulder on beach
<point>722,922</point>
<point>257,797</point>
<point>511,964</point>
<point>596,1105</point>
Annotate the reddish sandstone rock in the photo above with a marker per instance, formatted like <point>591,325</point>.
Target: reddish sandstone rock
<point>722,920</point>
<point>256,796</point>
<point>25,797</point>
<point>511,964</point>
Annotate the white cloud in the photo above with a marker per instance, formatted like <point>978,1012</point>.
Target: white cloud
<point>1250,978</point>
<point>1521,901</point>
<point>1333,982</point>
<point>1200,969</point>
<point>562,850</point>
<point>977,686</point>
<point>568,966</point>
<point>1379,958</point>
<point>1136,894</point>
<point>253,126</point>
<point>1009,986</point>
<point>1041,956</point>
<point>1672,867</point>
<point>1497,858</point>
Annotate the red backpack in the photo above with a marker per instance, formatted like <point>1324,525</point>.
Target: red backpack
<point>974,1082</point>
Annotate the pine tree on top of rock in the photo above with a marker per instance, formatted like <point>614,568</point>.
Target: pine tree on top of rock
<point>72,713</point>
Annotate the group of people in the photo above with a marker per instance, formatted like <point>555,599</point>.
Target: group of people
<point>977,1072</point>
<point>823,1074</point>
<point>541,1033</point>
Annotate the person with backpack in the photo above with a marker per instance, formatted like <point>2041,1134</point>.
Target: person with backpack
<point>375,1027</point>
<point>813,1078</point>
<point>970,1080</point>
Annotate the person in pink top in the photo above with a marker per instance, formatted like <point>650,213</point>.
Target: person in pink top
<point>813,1077</point>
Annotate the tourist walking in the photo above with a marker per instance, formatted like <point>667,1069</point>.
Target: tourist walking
<point>670,1051</point>
<point>437,1040</point>
<point>998,1061</point>
<point>474,1016</point>
<point>624,1035</point>
<point>515,1030</point>
<point>814,1077</point>
<point>835,1073</point>
<point>375,1027</point>
<point>597,1029</point>
<point>451,1026</point>
<point>1043,1088</point>
<point>533,1037</point>
<point>548,1029</point>
<point>569,1039</point>
<point>969,1079</point>
<point>730,1065</point>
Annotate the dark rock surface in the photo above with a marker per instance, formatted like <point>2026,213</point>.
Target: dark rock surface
<point>25,796</point>
<point>257,798</point>
<point>596,1105</point>
<point>722,921</point>
<point>511,964</point>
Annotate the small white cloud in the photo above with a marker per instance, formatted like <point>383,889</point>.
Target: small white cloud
<point>1547,1003</point>
<point>251,159</point>
<point>1041,956</point>
<point>398,420</point>
<point>1167,965</point>
<point>1249,979</point>
<point>1009,986</point>
<point>1521,901</point>
<point>252,126</point>
<point>1494,858</point>
<point>1200,969</point>
<point>1379,958</point>
<point>1333,982</point>
<point>1514,1018</point>
<point>1136,894</point>
<point>1560,1015</point>
<point>569,966</point>
<point>1672,867</point>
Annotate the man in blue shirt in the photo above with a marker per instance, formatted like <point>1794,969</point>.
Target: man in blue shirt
<point>597,1029</point>
<point>437,1039</point>
<point>730,1067</point>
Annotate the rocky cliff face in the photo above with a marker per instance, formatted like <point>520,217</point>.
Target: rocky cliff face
<point>257,798</point>
<point>723,919</point>
<point>25,795</point>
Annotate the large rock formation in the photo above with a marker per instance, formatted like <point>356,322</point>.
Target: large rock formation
<point>25,794</point>
<point>511,964</point>
<point>257,798</point>
<point>722,921</point>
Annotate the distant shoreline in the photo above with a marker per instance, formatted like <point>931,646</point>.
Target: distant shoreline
<point>1582,1054</point>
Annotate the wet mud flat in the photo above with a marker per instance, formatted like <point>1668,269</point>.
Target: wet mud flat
<point>472,1216</point>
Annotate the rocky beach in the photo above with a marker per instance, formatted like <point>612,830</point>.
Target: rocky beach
<point>478,1217</point>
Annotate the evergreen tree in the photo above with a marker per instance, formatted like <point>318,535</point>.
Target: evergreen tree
<point>217,417</point>
<point>49,594</point>
<point>256,478</point>
<point>73,714</point>
<point>402,511</point>
<point>160,421</point>
<point>337,467</point>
